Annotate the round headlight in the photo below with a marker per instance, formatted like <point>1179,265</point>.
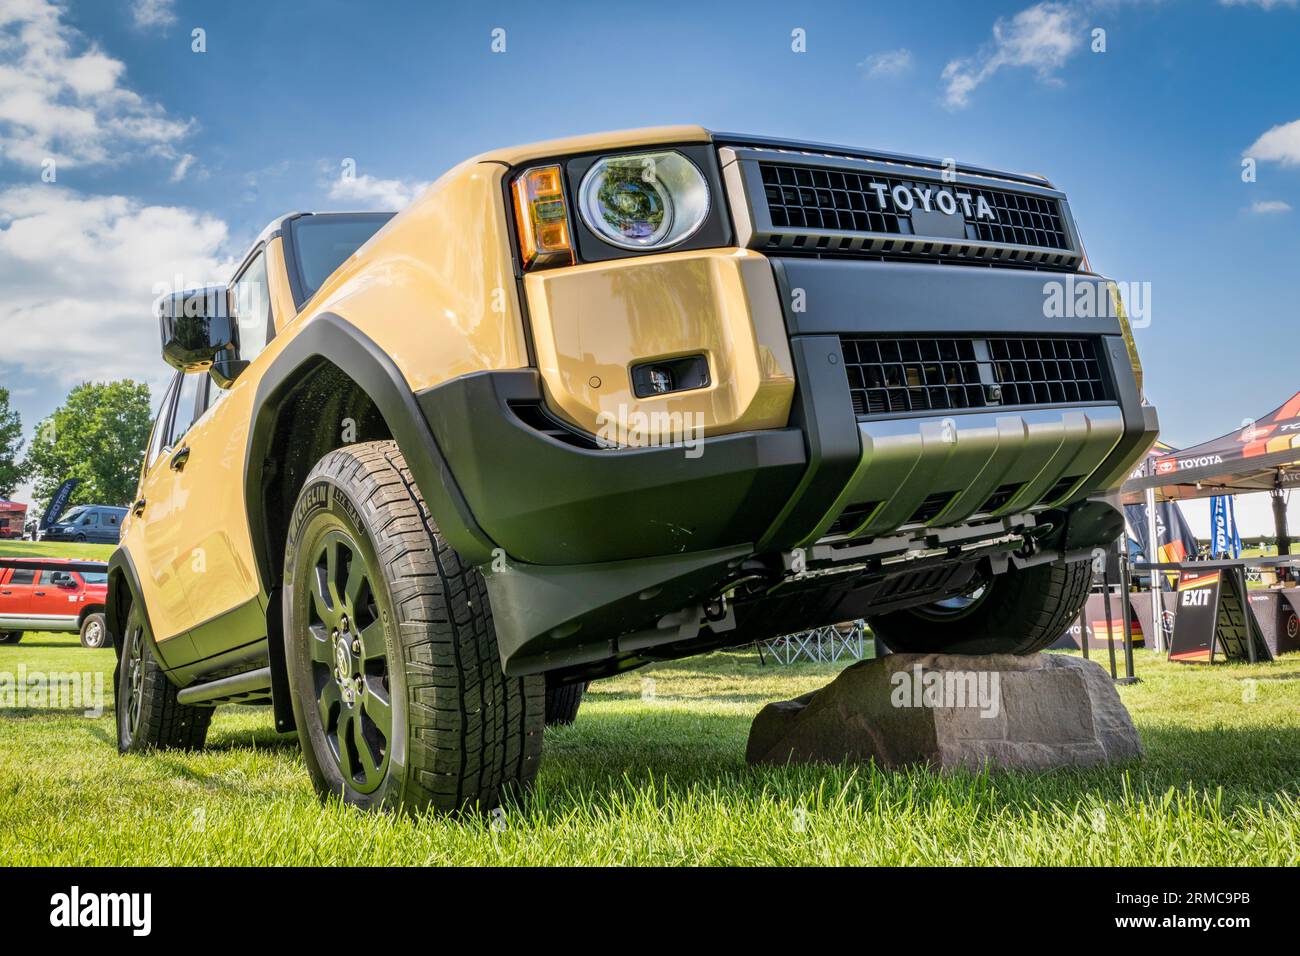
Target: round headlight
<point>644,201</point>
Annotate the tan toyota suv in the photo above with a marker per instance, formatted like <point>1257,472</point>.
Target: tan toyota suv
<point>602,401</point>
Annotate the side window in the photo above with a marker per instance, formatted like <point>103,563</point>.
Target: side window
<point>209,395</point>
<point>252,302</point>
<point>90,518</point>
<point>159,436</point>
<point>21,576</point>
<point>186,404</point>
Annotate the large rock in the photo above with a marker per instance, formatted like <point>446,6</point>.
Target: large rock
<point>950,711</point>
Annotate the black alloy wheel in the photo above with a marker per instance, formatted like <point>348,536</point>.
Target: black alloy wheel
<point>349,660</point>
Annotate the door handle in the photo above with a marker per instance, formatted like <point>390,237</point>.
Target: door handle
<point>138,507</point>
<point>38,593</point>
<point>6,592</point>
<point>179,458</point>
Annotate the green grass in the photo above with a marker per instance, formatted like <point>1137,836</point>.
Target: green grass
<point>663,781</point>
<point>11,548</point>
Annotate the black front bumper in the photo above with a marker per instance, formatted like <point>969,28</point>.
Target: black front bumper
<point>599,549</point>
<point>596,545</point>
<point>547,501</point>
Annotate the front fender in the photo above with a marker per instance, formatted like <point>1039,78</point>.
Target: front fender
<point>340,343</point>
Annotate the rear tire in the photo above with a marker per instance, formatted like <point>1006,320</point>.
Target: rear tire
<point>94,632</point>
<point>148,714</point>
<point>562,704</point>
<point>1022,611</point>
<point>396,681</point>
<point>11,637</point>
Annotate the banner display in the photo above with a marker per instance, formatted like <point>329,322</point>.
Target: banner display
<point>1277,433</point>
<point>1174,538</point>
<point>1275,612</point>
<point>59,502</point>
<point>1147,466</point>
<point>1225,541</point>
<point>1141,601</point>
<point>1198,609</point>
<point>1091,623</point>
<point>1289,627</point>
<point>1213,621</point>
<point>1261,455</point>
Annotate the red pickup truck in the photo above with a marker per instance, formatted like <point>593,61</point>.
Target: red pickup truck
<point>52,594</point>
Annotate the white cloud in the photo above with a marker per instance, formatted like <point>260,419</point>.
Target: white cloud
<point>1266,206</point>
<point>890,63</point>
<point>1040,38</point>
<point>182,167</point>
<point>369,193</point>
<point>81,273</point>
<point>62,98</point>
<point>1281,144</point>
<point>153,13</point>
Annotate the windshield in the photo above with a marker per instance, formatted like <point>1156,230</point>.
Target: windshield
<point>72,516</point>
<point>95,577</point>
<point>321,243</point>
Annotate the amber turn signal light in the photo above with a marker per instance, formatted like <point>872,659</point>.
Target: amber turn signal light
<point>542,218</point>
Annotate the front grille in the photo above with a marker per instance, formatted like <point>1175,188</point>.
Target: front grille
<point>815,198</point>
<point>1032,371</point>
<point>826,199</point>
<point>1020,219</point>
<point>942,374</point>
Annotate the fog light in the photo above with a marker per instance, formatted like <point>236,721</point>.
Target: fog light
<point>661,380</point>
<point>670,375</point>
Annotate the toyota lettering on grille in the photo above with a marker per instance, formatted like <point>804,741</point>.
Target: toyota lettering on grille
<point>906,198</point>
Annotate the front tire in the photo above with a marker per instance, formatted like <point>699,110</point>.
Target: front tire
<point>397,686</point>
<point>94,633</point>
<point>148,714</point>
<point>1019,612</point>
<point>11,637</point>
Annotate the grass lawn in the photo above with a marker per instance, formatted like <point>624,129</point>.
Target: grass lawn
<point>11,548</point>
<point>655,774</point>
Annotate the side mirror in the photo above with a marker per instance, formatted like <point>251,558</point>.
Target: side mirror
<point>199,333</point>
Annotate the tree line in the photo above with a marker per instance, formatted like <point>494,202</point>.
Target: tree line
<point>98,435</point>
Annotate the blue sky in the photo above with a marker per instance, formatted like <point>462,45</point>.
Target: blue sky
<point>171,161</point>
